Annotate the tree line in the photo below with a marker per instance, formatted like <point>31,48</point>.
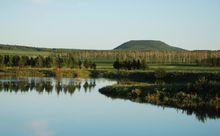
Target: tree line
<point>58,61</point>
<point>135,64</point>
<point>162,57</point>
<point>159,57</point>
<point>209,62</point>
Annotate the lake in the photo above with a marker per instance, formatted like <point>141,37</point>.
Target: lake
<point>67,107</point>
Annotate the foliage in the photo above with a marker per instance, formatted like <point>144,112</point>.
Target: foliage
<point>209,62</point>
<point>130,64</point>
<point>201,58</point>
<point>200,97</point>
<point>58,61</point>
<point>160,73</point>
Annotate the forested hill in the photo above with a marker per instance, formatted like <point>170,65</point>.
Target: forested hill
<point>146,45</point>
<point>32,49</point>
<point>21,48</point>
<point>8,47</point>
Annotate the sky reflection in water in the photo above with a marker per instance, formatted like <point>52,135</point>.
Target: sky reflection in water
<point>84,113</point>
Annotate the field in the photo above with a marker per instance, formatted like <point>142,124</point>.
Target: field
<point>169,61</point>
<point>169,68</point>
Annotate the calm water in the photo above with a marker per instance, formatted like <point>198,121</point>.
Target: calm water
<point>28,109</point>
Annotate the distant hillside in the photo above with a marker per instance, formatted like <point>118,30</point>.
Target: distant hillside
<point>40,49</point>
<point>147,45</point>
<point>21,48</point>
<point>31,49</point>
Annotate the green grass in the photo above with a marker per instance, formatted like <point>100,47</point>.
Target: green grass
<point>169,68</point>
<point>106,64</point>
<point>186,68</point>
<point>44,72</point>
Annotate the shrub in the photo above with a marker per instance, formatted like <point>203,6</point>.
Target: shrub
<point>160,73</point>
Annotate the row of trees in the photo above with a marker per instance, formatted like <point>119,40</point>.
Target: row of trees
<point>209,62</point>
<point>130,64</point>
<point>58,61</point>
<point>162,57</point>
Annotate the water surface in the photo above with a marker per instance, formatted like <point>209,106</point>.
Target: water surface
<point>51,107</point>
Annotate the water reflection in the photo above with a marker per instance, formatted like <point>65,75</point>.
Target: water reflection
<point>199,98</point>
<point>202,111</point>
<point>69,86</point>
<point>45,85</point>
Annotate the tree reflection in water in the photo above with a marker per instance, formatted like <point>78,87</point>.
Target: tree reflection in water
<point>199,98</point>
<point>45,85</point>
<point>202,112</point>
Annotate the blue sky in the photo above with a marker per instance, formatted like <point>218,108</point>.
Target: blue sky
<point>105,24</point>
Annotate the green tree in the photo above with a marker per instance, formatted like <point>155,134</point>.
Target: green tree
<point>32,62</point>
<point>144,64</point>
<point>134,64</point>
<point>86,64</point>
<point>160,73</point>
<point>79,63</point>
<point>116,64</point>
<point>93,66</point>
<point>59,62</point>
<point>15,61</point>
<point>138,64</point>
<point>72,62</point>
<point>1,60</point>
<point>23,61</point>
<point>48,62</point>
<point>40,61</point>
<point>6,60</point>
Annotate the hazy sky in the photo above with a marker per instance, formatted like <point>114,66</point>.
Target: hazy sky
<point>105,24</point>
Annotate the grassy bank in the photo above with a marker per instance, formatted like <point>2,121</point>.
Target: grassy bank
<point>135,75</point>
<point>168,67</point>
<point>44,72</point>
<point>200,97</point>
<point>152,76</point>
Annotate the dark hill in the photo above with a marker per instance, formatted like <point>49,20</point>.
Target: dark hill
<point>145,45</point>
